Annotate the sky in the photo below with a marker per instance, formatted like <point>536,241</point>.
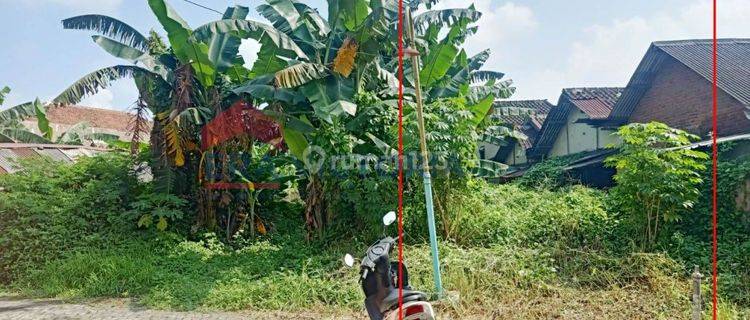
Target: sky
<point>543,45</point>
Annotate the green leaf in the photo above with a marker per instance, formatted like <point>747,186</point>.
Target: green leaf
<point>223,48</point>
<point>118,49</point>
<point>20,135</point>
<point>17,113</point>
<point>123,51</point>
<point>336,109</point>
<point>145,221</point>
<point>267,62</point>
<point>384,147</point>
<point>41,120</point>
<point>445,17</point>
<point>93,82</point>
<point>267,92</point>
<point>296,142</point>
<point>353,13</point>
<point>3,93</point>
<point>261,32</point>
<point>283,14</point>
<point>109,27</point>
<point>185,48</point>
<point>480,110</point>
<point>162,224</point>
<point>437,63</point>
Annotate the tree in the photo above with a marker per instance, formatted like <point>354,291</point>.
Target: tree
<point>353,52</point>
<point>657,176</point>
<point>11,128</point>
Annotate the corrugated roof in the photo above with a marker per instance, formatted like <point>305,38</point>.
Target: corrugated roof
<point>10,153</point>
<point>8,160</point>
<point>55,154</point>
<point>733,57</point>
<point>25,152</point>
<point>558,116</point>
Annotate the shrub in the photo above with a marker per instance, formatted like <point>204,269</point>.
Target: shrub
<point>484,214</point>
<point>50,208</point>
<point>657,176</point>
<point>549,174</point>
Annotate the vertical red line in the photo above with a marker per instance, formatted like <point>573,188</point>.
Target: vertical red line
<point>715,165</point>
<point>400,158</point>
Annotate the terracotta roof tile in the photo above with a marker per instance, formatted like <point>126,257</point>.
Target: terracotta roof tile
<point>96,117</point>
<point>594,108</point>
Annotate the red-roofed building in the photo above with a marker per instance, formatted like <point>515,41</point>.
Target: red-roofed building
<point>525,116</point>
<point>99,120</point>
<point>567,129</point>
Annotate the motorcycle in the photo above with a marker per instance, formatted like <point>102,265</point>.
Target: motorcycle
<point>379,281</point>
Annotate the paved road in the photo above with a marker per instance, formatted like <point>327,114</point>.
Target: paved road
<point>27,309</point>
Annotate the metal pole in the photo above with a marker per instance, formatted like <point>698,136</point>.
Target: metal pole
<point>697,299</point>
<point>425,159</point>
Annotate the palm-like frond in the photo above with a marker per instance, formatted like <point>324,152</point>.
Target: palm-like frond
<point>75,134</point>
<point>486,75</point>
<point>3,92</point>
<point>283,14</point>
<point>414,4</point>
<point>95,81</point>
<point>110,27</point>
<point>299,74</point>
<point>21,135</point>
<point>18,113</point>
<point>445,17</point>
<point>261,32</point>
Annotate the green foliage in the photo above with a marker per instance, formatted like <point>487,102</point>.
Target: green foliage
<point>157,208</point>
<point>49,209</point>
<point>482,214</point>
<point>549,174</point>
<point>657,176</point>
<point>689,240</point>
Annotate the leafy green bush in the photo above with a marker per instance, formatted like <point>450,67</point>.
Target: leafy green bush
<point>51,208</point>
<point>549,174</point>
<point>484,214</point>
<point>690,240</point>
<point>657,176</point>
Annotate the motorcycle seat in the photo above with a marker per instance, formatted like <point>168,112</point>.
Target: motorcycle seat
<point>391,300</point>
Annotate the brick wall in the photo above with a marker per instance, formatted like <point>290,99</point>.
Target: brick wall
<point>682,99</point>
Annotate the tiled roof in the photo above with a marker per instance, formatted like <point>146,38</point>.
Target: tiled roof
<point>733,57</point>
<point>594,108</point>
<point>96,117</point>
<point>11,153</point>
<point>596,102</point>
<point>528,122</point>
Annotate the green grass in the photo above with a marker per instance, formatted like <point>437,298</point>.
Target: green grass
<point>508,252</point>
<point>500,281</point>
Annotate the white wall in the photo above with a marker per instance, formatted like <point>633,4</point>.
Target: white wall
<point>579,137</point>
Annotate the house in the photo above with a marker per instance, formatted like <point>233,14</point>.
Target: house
<point>673,85</point>
<point>525,116</point>
<point>114,122</point>
<point>567,130</point>
<point>12,153</point>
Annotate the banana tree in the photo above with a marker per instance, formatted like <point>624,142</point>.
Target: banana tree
<point>182,82</point>
<point>11,128</point>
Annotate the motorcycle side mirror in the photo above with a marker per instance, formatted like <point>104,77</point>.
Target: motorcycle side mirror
<point>389,218</point>
<point>349,260</point>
